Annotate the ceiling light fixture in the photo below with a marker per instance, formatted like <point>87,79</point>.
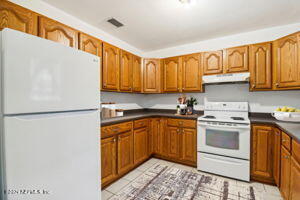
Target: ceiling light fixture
<point>185,1</point>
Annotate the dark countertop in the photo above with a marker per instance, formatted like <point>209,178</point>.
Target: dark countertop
<point>140,114</point>
<point>291,128</point>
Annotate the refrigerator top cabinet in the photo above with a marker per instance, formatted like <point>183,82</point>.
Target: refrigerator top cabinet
<point>40,76</point>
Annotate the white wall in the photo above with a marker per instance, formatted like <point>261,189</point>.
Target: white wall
<point>262,35</point>
<point>63,17</point>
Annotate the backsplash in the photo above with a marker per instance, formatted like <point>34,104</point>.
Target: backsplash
<point>259,101</point>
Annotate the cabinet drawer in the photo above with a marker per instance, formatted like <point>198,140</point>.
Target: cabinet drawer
<point>115,129</point>
<point>182,123</point>
<point>140,123</point>
<point>286,141</point>
<point>296,150</point>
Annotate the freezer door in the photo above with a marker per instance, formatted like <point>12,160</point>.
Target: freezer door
<point>57,155</point>
<point>43,76</point>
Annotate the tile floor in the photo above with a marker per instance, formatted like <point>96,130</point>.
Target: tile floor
<point>268,192</point>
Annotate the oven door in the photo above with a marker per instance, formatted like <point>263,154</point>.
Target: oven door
<point>224,140</point>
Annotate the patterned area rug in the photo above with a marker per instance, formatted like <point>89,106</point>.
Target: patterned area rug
<point>161,182</point>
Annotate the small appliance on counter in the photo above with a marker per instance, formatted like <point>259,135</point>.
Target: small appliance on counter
<point>287,114</point>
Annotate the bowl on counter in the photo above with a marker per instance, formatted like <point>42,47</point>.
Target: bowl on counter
<point>287,116</point>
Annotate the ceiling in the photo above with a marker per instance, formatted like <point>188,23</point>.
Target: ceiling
<point>158,24</point>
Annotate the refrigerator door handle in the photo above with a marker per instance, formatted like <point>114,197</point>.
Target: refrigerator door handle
<point>30,117</point>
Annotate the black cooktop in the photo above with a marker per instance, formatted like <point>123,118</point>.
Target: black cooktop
<point>238,118</point>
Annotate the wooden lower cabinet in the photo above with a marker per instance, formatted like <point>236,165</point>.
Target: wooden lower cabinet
<point>125,152</point>
<point>261,154</point>
<point>285,173</point>
<point>108,159</point>
<point>295,180</point>
<point>276,156</point>
<point>189,145</point>
<point>140,147</point>
<point>174,142</point>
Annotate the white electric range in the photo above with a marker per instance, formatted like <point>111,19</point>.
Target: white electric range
<point>223,140</point>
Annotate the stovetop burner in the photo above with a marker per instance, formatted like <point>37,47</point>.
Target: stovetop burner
<point>209,117</point>
<point>238,118</point>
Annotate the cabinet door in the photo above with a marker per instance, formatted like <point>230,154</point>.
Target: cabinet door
<point>262,159</point>
<point>173,137</point>
<point>126,71</point>
<point>125,152</point>
<point>151,73</point>
<point>295,180</point>
<point>58,32</point>
<point>285,176</point>
<point>171,70</point>
<point>108,159</point>
<point>236,59</point>
<point>276,156</point>
<point>136,74</point>
<point>260,66</point>
<point>110,67</point>
<point>191,73</point>
<point>18,18</point>
<point>140,145</point>
<point>90,44</point>
<point>189,145</point>
<point>212,62</point>
<point>286,62</point>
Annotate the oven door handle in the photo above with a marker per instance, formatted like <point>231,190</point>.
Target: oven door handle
<point>224,160</point>
<point>224,126</point>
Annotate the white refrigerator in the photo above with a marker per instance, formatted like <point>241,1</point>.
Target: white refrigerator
<point>50,121</point>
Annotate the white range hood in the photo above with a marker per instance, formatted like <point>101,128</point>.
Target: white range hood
<point>226,78</point>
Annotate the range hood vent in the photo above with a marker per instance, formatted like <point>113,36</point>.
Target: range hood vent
<point>226,78</point>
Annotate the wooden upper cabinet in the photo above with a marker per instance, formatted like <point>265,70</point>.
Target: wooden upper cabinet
<point>137,74</point>
<point>260,66</point>
<point>285,173</point>
<point>286,56</point>
<point>17,18</point>
<point>125,71</point>
<point>151,76</point>
<point>212,62</point>
<point>90,44</point>
<point>110,67</point>
<point>295,177</point>
<point>108,159</point>
<point>189,145</point>
<point>262,148</point>
<point>236,59</point>
<point>191,73</point>
<point>57,32</point>
<point>171,69</point>
<point>125,152</point>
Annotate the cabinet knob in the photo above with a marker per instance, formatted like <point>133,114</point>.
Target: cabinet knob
<point>286,157</point>
<point>253,86</point>
<point>277,84</point>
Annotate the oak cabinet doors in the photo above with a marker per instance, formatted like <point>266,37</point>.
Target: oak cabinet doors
<point>236,59</point>
<point>137,74</point>
<point>260,66</point>
<point>90,44</point>
<point>57,32</point>
<point>110,68</point>
<point>191,73</point>
<point>286,56</point>
<point>151,76</point>
<point>212,62</point>
<point>17,18</point>
<point>171,71</point>
<point>126,71</point>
